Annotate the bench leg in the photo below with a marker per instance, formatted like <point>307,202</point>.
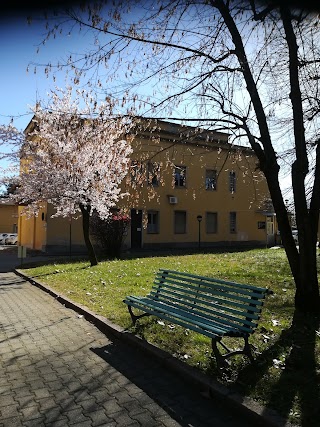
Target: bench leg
<point>247,349</point>
<point>134,317</point>
<point>221,358</point>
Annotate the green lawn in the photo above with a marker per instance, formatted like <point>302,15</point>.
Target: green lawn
<point>286,373</point>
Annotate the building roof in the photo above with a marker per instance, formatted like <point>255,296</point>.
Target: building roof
<point>7,202</point>
<point>174,132</point>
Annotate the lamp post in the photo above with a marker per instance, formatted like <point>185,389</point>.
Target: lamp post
<point>199,218</point>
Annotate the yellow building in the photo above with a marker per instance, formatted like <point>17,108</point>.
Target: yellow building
<point>186,189</point>
<point>8,216</point>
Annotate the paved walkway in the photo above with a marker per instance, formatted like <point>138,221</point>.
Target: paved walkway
<point>57,369</point>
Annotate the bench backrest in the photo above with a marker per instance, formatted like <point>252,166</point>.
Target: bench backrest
<point>234,304</point>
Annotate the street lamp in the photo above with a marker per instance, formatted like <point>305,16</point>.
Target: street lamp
<point>199,218</point>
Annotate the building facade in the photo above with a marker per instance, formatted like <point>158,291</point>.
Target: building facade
<point>8,216</point>
<point>185,188</point>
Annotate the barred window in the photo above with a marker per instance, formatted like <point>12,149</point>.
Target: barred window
<point>233,222</point>
<point>180,176</point>
<point>136,171</point>
<point>232,182</point>
<point>211,180</point>
<point>153,174</point>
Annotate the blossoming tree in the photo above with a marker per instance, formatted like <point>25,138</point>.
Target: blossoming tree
<point>75,159</point>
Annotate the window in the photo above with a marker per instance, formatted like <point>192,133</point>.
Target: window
<point>180,222</point>
<point>211,179</point>
<point>211,222</point>
<point>233,222</point>
<point>180,176</point>
<point>232,182</point>
<point>153,174</point>
<point>136,171</point>
<point>261,225</point>
<point>153,222</point>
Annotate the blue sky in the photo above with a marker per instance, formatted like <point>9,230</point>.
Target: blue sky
<point>20,89</point>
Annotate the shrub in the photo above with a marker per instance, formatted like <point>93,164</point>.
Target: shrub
<point>109,234</point>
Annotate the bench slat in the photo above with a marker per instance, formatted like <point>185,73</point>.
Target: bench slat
<point>177,321</point>
<point>191,294</point>
<point>204,309</point>
<point>215,328</point>
<point>211,279</point>
<point>217,317</point>
<point>212,288</point>
<point>177,314</point>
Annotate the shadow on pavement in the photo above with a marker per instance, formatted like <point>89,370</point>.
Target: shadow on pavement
<point>185,404</point>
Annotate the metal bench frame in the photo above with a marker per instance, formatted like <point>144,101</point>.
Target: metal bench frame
<point>212,307</point>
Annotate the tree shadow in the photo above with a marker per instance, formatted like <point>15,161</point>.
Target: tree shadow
<point>184,403</point>
<point>177,251</point>
<point>298,383</point>
<point>11,281</point>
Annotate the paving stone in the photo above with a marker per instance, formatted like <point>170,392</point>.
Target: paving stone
<point>123,397</point>
<point>38,422</point>
<point>11,422</point>
<point>55,385</point>
<point>60,370</point>
<point>30,412</point>
<point>98,417</point>
<point>9,411</point>
<point>46,403</point>
<point>133,407</point>
<point>76,416</point>
<point>25,401</point>
<point>41,393</point>
<point>111,406</point>
<point>122,418</point>
<point>90,405</point>
<point>7,399</point>
<point>53,414</point>
<point>145,419</point>
<point>59,422</point>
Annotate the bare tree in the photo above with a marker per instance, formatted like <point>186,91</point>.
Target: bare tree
<point>247,67</point>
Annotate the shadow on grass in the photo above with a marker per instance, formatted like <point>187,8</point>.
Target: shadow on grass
<point>164,252</point>
<point>131,254</point>
<point>298,383</point>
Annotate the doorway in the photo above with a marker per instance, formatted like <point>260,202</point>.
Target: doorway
<point>136,228</point>
<point>270,231</point>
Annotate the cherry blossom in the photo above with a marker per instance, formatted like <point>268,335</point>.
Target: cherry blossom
<point>75,158</point>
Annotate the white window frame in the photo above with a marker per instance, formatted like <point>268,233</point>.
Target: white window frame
<point>153,226</point>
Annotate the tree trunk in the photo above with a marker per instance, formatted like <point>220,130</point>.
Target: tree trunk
<point>303,263</point>
<point>307,294</point>
<point>307,298</point>
<point>85,210</point>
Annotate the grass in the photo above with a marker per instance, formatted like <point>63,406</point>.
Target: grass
<point>286,373</point>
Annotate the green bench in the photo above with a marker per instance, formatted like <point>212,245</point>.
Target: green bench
<point>213,307</point>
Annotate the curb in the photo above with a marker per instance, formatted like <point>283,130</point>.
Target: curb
<point>208,387</point>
